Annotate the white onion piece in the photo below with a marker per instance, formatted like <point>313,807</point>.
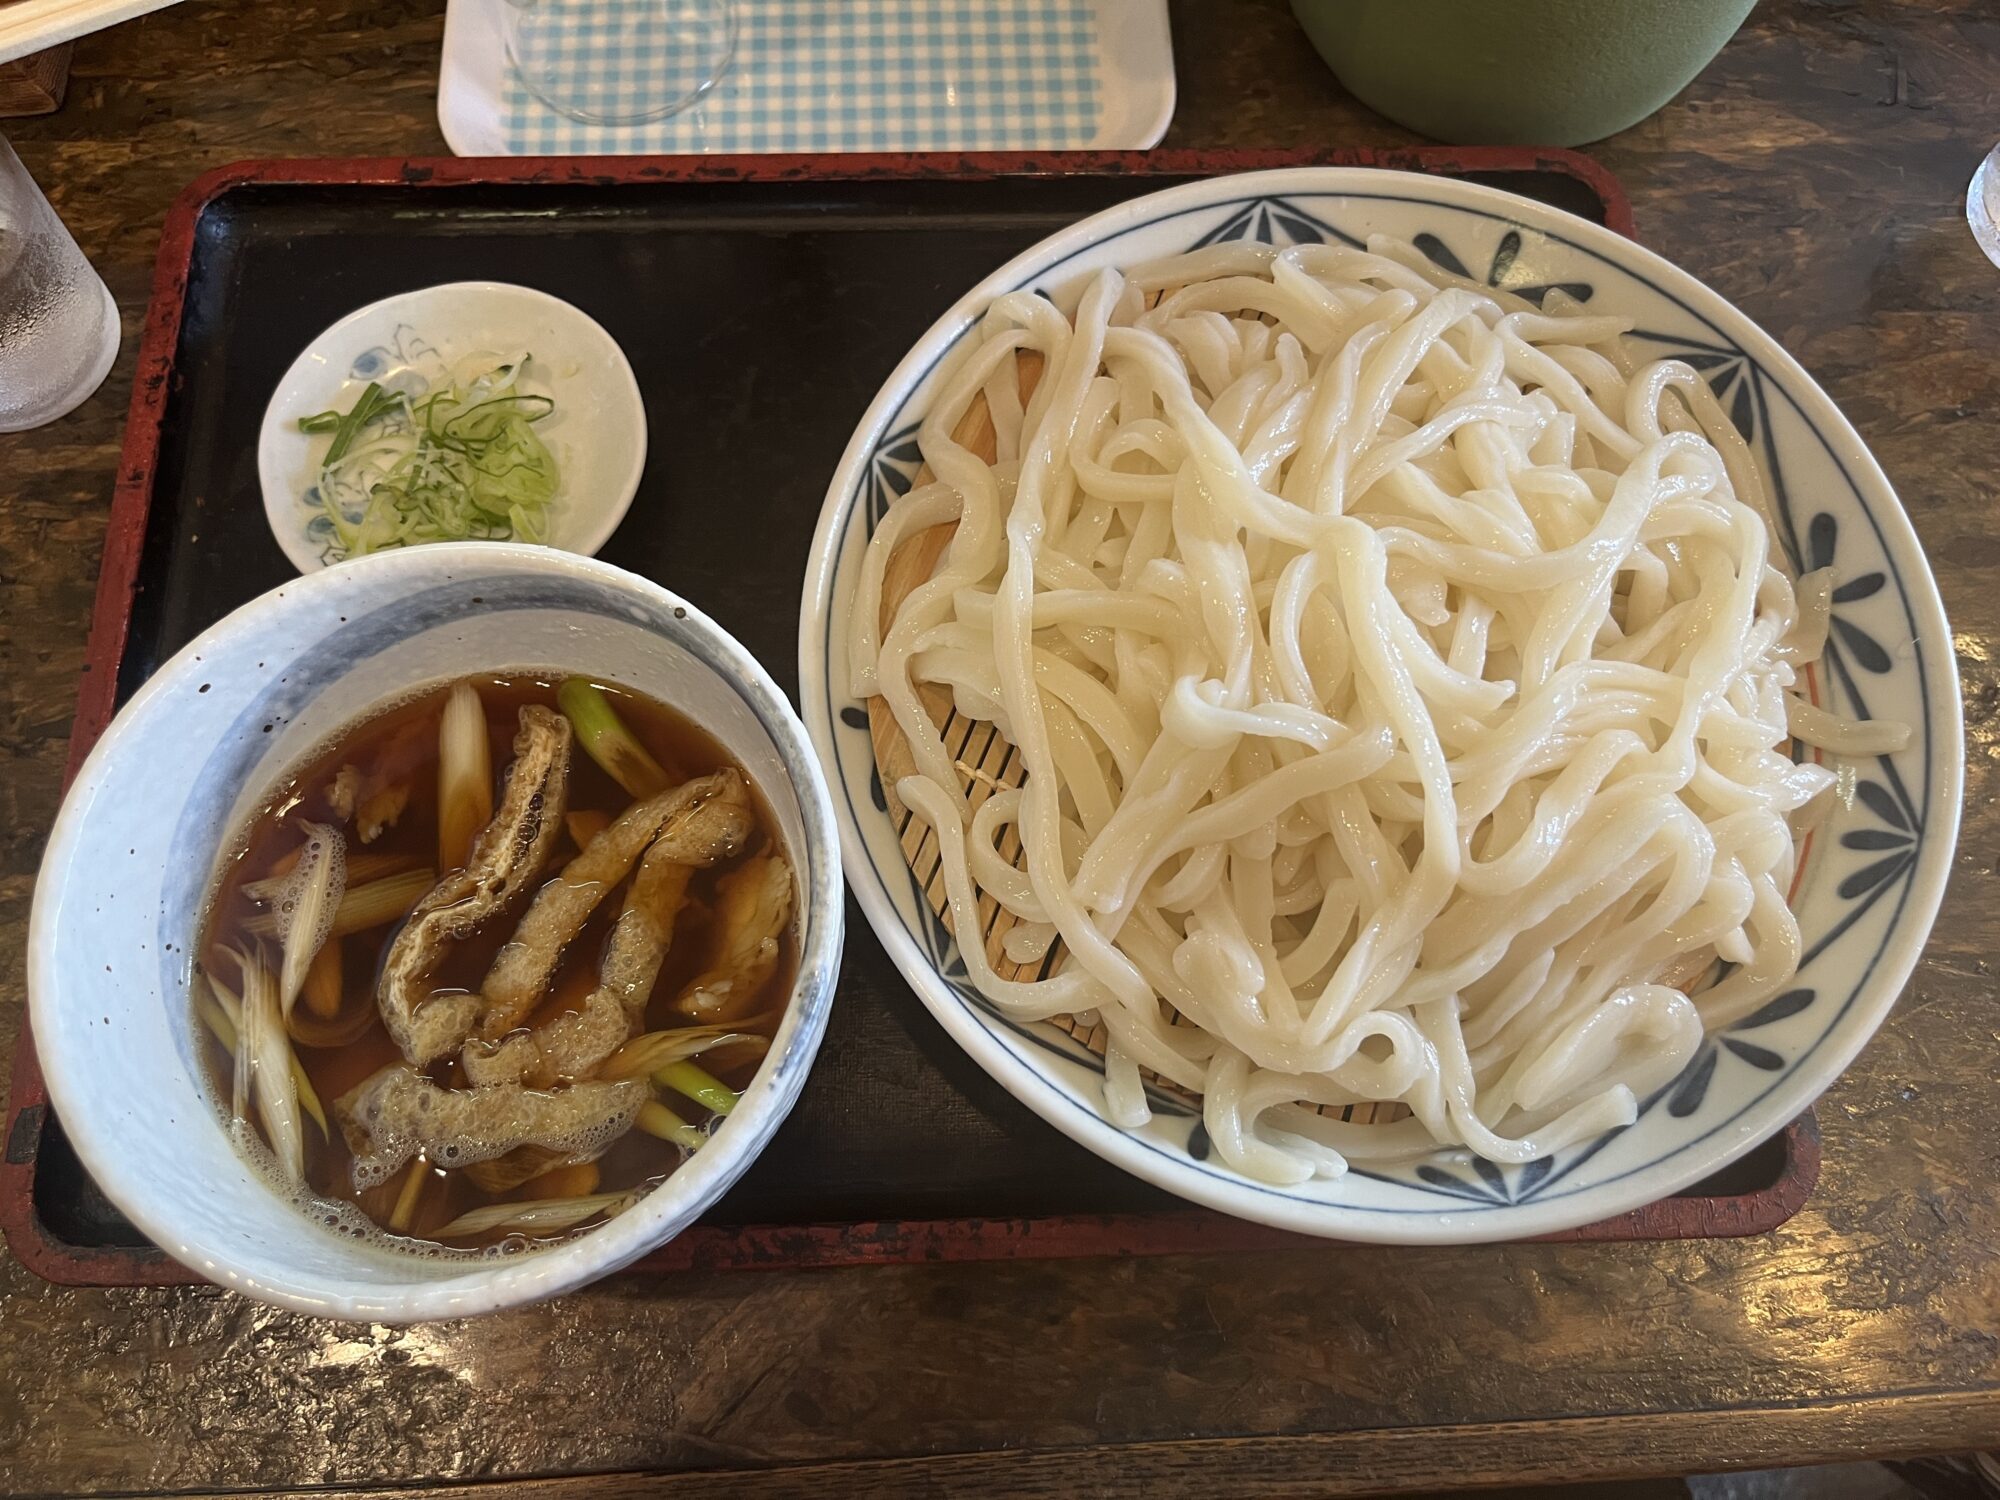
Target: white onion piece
<point>261,1040</point>
<point>465,776</point>
<point>306,904</point>
<point>543,1213</point>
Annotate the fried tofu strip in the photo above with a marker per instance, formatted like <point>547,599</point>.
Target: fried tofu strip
<point>509,852</point>
<point>754,904</point>
<point>395,1113</point>
<point>574,1043</point>
<point>700,822</point>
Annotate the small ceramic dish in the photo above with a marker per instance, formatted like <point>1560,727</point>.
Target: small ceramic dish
<point>413,342</point>
<point>140,841</point>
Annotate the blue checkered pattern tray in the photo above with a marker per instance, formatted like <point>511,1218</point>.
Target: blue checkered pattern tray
<point>844,75</point>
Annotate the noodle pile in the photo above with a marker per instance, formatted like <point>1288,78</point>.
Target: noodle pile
<point>1404,677</point>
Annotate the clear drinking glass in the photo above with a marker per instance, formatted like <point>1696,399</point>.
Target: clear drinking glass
<point>58,324</point>
<point>1982,205</point>
<point>620,62</point>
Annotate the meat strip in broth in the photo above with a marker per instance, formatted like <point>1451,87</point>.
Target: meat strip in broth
<point>396,1113</point>
<point>575,1043</point>
<point>509,852</point>
<point>752,907</point>
<point>698,814</point>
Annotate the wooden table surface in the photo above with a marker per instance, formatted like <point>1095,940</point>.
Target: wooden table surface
<point>1816,176</point>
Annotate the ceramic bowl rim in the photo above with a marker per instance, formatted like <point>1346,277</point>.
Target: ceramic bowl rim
<point>652,1221</point>
<point>1033,1085</point>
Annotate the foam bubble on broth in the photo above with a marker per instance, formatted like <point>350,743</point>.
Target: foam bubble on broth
<point>319,850</point>
<point>348,1222</point>
<point>395,1118</point>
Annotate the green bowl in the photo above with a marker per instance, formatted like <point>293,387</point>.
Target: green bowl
<point>1518,72</point>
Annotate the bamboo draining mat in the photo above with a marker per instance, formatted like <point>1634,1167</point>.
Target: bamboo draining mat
<point>986,761</point>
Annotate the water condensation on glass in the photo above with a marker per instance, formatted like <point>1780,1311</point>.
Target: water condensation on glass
<point>1982,205</point>
<point>58,323</point>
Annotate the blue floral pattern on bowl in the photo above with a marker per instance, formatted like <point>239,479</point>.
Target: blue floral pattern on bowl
<point>1875,866</point>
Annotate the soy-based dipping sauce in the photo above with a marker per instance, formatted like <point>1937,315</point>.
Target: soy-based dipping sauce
<point>595,963</point>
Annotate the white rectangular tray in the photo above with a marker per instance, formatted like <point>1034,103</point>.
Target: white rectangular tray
<point>31,25</point>
<point>875,75</point>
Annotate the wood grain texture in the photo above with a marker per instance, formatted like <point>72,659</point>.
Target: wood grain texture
<point>1383,1461</point>
<point>34,85</point>
<point>1815,175</point>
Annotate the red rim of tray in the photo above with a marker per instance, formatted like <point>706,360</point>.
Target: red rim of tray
<point>717,1247</point>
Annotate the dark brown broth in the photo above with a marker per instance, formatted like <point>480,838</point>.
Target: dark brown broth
<point>404,741</point>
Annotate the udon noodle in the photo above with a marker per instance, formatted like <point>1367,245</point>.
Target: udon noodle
<point>1404,676</point>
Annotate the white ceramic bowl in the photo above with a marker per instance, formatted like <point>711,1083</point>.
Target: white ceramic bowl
<point>138,842</point>
<point>1874,877</point>
<point>597,431</point>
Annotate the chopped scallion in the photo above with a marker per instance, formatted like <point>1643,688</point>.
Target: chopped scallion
<point>462,463</point>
